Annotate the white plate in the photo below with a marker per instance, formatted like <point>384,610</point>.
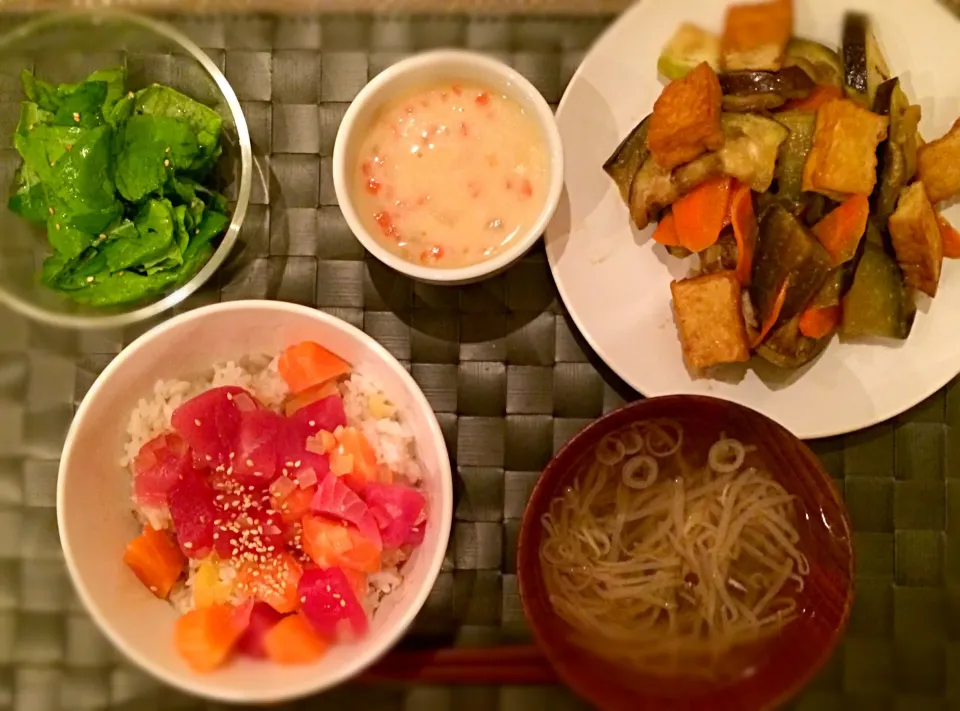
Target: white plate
<point>615,281</point>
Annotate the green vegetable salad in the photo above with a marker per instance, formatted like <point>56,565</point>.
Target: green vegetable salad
<point>117,179</point>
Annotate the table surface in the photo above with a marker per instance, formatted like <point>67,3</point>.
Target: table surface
<point>503,367</point>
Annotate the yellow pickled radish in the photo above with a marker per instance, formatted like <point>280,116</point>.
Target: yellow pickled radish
<point>208,588</point>
<point>379,407</point>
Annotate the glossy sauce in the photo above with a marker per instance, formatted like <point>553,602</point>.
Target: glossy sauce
<point>450,174</point>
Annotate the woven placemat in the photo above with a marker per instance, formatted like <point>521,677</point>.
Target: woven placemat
<point>505,371</point>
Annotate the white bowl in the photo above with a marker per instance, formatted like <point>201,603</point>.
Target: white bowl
<point>418,71</point>
<point>94,507</point>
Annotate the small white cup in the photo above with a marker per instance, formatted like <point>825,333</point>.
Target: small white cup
<point>419,71</point>
<point>94,505</point>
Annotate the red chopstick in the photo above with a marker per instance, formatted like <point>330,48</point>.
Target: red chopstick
<point>516,664</point>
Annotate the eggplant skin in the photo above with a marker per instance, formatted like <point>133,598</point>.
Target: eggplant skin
<point>790,83</point>
<point>625,162</point>
<point>787,348</point>
<point>855,29</point>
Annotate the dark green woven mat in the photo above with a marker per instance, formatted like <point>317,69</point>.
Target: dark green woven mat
<point>502,367</point>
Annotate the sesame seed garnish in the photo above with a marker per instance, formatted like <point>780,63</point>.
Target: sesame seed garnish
<point>216,535</point>
<point>232,454</point>
<point>166,163</point>
<point>328,588</point>
<point>289,464</point>
<point>209,458</point>
<point>219,497</point>
<point>336,596</point>
<point>196,422</point>
<point>235,551</point>
<point>249,462</point>
<point>188,545</point>
<point>89,279</point>
<point>167,150</point>
<point>296,463</point>
<point>229,395</point>
<point>153,588</point>
<point>76,116</point>
<point>58,227</point>
<point>303,598</point>
<point>51,210</point>
<point>130,94</point>
<point>343,603</point>
<point>312,423</point>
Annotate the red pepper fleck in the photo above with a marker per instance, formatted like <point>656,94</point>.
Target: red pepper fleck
<point>373,186</point>
<point>483,98</point>
<point>526,188</point>
<point>456,89</point>
<point>385,222</point>
<point>464,131</point>
<point>433,254</point>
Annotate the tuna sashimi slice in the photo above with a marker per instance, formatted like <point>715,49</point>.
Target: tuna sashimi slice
<point>326,414</point>
<point>400,512</point>
<point>193,510</point>
<point>336,500</point>
<point>210,424</point>
<point>262,620</point>
<point>158,466</point>
<point>258,447</point>
<point>329,603</point>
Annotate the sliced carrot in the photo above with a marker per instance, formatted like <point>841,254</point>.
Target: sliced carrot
<point>156,560</point>
<point>273,581</point>
<point>770,321</point>
<point>310,396</point>
<point>205,638</point>
<point>338,545</point>
<point>307,364</point>
<point>699,215</point>
<point>293,641</point>
<point>817,98</point>
<point>666,232</point>
<point>950,237</point>
<point>840,231</point>
<point>817,323</point>
<point>744,230</point>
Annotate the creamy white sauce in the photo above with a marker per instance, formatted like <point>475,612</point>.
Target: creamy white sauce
<point>450,174</point>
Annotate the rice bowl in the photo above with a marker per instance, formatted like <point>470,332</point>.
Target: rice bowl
<point>238,339</point>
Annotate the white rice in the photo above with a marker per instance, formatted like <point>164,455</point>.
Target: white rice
<point>387,434</point>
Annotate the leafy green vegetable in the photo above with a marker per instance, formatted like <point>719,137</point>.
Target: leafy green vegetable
<point>206,123</point>
<point>114,176</point>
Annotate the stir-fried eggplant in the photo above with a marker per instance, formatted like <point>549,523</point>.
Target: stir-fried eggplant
<point>834,286</point>
<point>897,157</point>
<point>750,150</point>
<point>721,256</point>
<point>786,254</point>
<point>821,63</point>
<point>864,68</point>
<point>762,91</point>
<point>625,162</point>
<point>793,152</point>
<point>877,303</point>
<point>786,347</point>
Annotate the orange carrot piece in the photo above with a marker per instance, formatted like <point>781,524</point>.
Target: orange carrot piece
<point>310,396</point>
<point>770,321</point>
<point>744,230</point>
<point>338,545</point>
<point>817,98</point>
<point>817,323</point>
<point>293,641</point>
<point>156,560</point>
<point>307,364</point>
<point>666,232</point>
<point>840,231</point>
<point>698,216</point>
<point>950,237</point>
<point>273,581</point>
<point>205,638</point>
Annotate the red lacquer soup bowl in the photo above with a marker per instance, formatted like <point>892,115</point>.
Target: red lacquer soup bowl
<point>766,674</point>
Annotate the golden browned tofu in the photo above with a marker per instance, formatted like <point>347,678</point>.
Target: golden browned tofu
<point>916,239</point>
<point>756,35</point>
<point>686,118</point>
<point>710,320</point>
<point>938,166</point>
<point>843,160</point>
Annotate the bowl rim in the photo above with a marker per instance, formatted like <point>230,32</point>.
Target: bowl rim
<point>371,95</point>
<point>411,605</point>
<point>530,520</point>
<point>116,320</point>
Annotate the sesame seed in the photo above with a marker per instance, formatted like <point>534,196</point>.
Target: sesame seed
<point>58,226</point>
<point>196,422</point>
<point>296,463</point>
<point>303,598</point>
<point>209,458</point>
<point>102,236</point>
<point>229,395</point>
<point>216,535</point>
<point>89,279</point>
<point>130,94</point>
<point>219,497</point>
<point>312,423</point>
<point>235,551</point>
<point>249,462</point>
<point>229,470</point>
<point>328,588</point>
<point>289,464</point>
<point>167,150</point>
<point>166,163</point>
<point>188,545</point>
<point>53,163</point>
<point>231,455</point>
<point>51,210</point>
<point>336,596</point>
<point>153,588</point>
<point>343,603</point>
<point>76,116</point>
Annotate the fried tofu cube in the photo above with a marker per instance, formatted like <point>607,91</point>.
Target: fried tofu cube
<point>915,234</point>
<point>755,35</point>
<point>938,166</point>
<point>686,118</point>
<point>710,320</point>
<point>843,159</point>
